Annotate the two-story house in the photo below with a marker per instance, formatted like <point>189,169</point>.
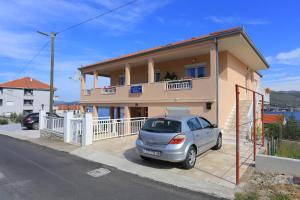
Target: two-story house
<point>23,96</point>
<point>198,74</point>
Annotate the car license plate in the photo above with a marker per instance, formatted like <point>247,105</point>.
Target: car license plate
<point>150,152</point>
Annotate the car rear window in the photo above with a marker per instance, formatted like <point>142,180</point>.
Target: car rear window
<point>161,125</point>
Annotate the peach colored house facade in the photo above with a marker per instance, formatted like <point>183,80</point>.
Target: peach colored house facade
<point>205,70</point>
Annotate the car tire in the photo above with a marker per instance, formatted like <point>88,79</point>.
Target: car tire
<point>35,126</point>
<point>145,158</point>
<point>219,143</point>
<point>190,159</point>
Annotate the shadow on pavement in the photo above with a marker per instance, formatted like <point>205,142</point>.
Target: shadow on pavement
<point>132,156</point>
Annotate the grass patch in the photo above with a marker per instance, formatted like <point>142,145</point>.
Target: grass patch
<point>289,149</point>
<point>280,196</point>
<point>246,196</point>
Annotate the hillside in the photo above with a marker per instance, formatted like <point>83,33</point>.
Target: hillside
<point>291,98</point>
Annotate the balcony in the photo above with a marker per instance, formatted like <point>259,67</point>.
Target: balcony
<point>28,103</point>
<point>189,90</point>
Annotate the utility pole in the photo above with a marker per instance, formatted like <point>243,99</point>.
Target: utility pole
<point>53,35</point>
<point>52,75</point>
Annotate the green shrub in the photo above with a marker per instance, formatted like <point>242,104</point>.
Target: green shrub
<point>19,118</point>
<point>246,196</point>
<point>272,130</point>
<point>3,121</point>
<point>13,116</point>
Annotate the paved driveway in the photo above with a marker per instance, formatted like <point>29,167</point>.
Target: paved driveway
<point>214,172</point>
<point>15,130</point>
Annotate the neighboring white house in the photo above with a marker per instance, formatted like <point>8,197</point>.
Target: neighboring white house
<point>23,96</point>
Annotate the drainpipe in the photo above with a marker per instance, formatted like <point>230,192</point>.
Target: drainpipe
<point>217,81</point>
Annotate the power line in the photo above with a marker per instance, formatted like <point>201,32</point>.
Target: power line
<point>34,57</point>
<point>74,26</point>
<point>98,16</point>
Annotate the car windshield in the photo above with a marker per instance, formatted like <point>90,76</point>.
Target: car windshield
<point>160,125</point>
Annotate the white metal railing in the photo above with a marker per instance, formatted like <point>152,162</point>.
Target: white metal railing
<point>178,85</point>
<point>54,124</point>
<point>109,90</point>
<point>87,92</point>
<point>76,130</point>
<point>112,128</point>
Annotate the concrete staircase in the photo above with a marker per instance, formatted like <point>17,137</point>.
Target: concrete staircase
<point>229,130</point>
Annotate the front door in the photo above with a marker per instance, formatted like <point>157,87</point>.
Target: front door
<point>139,112</point>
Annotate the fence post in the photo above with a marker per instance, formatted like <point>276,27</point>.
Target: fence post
<point>87,129</point>
<point>42,116</point>
<point>67,126</point>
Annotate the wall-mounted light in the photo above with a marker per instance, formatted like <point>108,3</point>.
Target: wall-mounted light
<point>208,105</point>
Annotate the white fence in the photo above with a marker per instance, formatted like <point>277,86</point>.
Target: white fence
<point>110,90</point>
<point>111,128</point>
<point>54,125</point>
<point>83,131</point>
<point>179,85</point>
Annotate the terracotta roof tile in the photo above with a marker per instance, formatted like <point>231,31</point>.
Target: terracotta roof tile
<point>68,107</point>
<point>273,118</point>
<point>26,83</point>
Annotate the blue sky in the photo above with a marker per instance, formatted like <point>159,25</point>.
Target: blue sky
<point>274,26</point>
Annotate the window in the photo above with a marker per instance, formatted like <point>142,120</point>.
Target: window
<point>9,103</point>
<point>121,80</point>
<point>205,123</point>
<point>157,76</point>
<point>196,71</point>
<point>160,125</point>
<point>1,102</point>
<point>194,124</point>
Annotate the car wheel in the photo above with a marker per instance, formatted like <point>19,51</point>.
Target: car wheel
<point>219,143</point>
<point>190,159</point>
<point>35,126</point>
<point>145,158</point>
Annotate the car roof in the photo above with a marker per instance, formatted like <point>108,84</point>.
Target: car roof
<point>177,117</point>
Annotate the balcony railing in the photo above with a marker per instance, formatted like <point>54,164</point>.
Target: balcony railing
<point>28,104</point>
<point>28,94</point>
<point>179,90</point>
<point>110,90</point>
<point>178,85</point>
<point>87,92</point>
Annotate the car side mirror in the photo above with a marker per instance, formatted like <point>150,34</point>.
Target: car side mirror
<point>214,126</point>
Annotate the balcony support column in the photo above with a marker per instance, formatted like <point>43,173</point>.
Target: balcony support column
<point>82,109</point>
<point>83,82</point>
<point>95,79</point>
<point>127,124</point>
<point>127,74</point>
<point>214,75</point>
<point>95,111</point>
<point>150,70</point>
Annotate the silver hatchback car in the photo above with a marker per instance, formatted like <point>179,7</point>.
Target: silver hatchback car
<point>177,139</point>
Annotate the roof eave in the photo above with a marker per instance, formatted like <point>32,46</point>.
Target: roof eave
<point>212,36</point>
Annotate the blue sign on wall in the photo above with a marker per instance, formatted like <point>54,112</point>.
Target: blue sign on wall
<point>136,89</point>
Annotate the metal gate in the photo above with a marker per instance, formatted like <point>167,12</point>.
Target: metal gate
<point>76,131</point>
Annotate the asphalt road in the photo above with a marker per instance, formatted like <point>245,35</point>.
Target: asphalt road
<point>29,171</point>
